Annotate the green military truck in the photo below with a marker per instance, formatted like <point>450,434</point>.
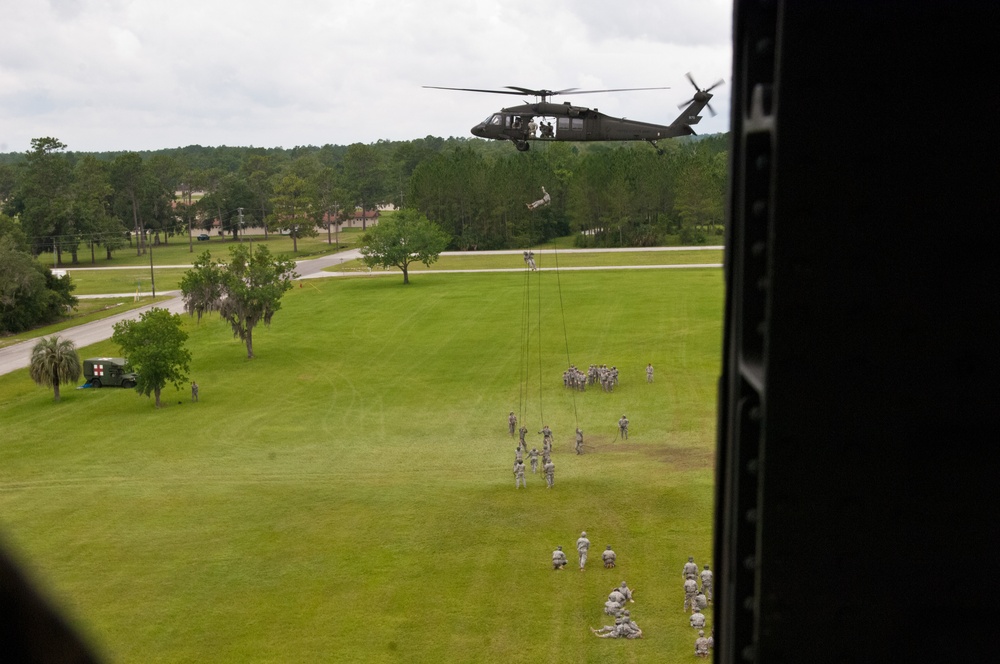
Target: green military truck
<point>107,372</point>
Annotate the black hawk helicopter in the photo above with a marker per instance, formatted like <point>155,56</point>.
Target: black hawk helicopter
<point>518,125</point>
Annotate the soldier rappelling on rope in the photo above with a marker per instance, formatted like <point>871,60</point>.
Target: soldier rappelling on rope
<point>544,200</point>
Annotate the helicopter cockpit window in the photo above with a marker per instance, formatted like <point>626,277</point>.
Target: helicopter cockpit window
<point>496,119</point>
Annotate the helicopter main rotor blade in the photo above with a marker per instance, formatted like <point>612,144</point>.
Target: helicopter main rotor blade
<point>516,90</point>
<point>574,91</point>
<point>498,92</point>
<point>714,85</point>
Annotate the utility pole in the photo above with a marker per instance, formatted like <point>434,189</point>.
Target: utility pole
<point>152,282</point>
<point>240,211</point>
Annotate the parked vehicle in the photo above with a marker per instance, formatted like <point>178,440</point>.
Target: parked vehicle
<point>108,372</point>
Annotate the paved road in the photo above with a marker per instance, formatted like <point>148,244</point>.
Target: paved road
<point>18,356</point>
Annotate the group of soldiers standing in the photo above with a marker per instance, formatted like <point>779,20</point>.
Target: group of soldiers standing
<point>696,600</point>
<point>601,375</point>
<point>548,468</point>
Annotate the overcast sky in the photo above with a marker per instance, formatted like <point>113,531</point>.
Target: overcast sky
<point>148,74</point>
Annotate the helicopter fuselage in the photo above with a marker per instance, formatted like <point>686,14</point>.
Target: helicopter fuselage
<point>574,123</point>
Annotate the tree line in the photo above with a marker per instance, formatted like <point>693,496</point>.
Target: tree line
<point>78,206</point>
<point>609,194</point>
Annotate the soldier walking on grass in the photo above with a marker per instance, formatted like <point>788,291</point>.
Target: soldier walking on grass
<point>194,391</point>
<point>582,547</point>
<point>550,473</point>
<point>533,455</point>
<point>522,432</point>
<point>511,422</point>
<point>649,373</point>
<point>579,441</point>
<point>623,428</point>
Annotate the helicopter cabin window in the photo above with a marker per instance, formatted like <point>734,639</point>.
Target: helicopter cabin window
<point>570,124</point>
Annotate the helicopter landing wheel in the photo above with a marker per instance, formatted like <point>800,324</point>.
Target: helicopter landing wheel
<point>522,146</point>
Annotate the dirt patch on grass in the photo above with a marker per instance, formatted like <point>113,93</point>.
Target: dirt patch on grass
<point>682,458</point>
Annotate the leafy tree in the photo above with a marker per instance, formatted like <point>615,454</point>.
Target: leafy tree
<point>258,171</point>
<point>54,361</point>
<point>136,191</point>
<point>12,230</point>
<point>246,291</point>
<point>364,174</point>
<point>154,348</point>
<point>43,195</point>
<point>202,285</point>
<point>91,206</point>
<point>329,197</point>
<point>29,293</point>
<point>293,204</point>
<point>405,237</point>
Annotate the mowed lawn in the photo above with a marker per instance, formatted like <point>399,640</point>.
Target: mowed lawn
<point>347,496</point>
<point>549,260</point>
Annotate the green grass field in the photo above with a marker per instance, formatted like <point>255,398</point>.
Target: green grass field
<point>99,282</point>
<point>347,496</point>
<point>178,250</point>
<point>476,261</point>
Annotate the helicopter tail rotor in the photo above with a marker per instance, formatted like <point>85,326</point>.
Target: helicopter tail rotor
<point>702,94</point>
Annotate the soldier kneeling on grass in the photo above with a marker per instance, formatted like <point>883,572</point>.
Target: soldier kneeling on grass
<point>608,556</point>
<point>559,559</point>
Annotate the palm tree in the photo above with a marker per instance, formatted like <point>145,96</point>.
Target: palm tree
<point>54,361</point>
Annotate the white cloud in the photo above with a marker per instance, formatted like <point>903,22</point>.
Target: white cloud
<point>116,74</point>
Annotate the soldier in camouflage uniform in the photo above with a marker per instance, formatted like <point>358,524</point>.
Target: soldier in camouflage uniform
<point>609,631</point>
<point>608,556</point>
<point>522,432</point>
<point>511,422</point>
<point>533,455</point>
<point>629,629</point>
<point>698,619</point>
<point>649,373</point>
<point>700,601</point>
<point>579,441</point>
<point>519,474</point>
<point>582,547</point>
<point>623,427</point>
<point>559,558</point>
<point>546,437</point>
<point>701,644</point>
<point>518,455</point>
<point>550,473</point>
<point>690,569</point>
<point>626,591</point>
<point>706,583</point>
<point>690,590</point>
